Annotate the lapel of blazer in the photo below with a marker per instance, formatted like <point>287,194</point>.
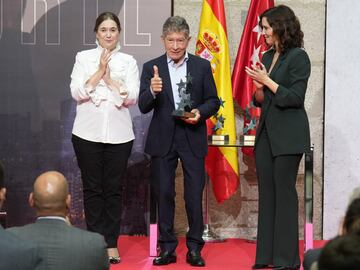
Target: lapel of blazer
<point>165,75</point>
<point>190,69</point>
<point>267,63</point>
<point>278,64</point>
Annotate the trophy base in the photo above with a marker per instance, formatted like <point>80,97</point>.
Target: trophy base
<point>248,137</point>
<point>248,140</point>
<point>213,138</point>
<point>183,114</point>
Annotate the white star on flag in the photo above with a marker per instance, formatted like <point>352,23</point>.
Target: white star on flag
<point>255,56</point>
<point>257,29</point>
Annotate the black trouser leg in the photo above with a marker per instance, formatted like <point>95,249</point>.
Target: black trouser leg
<point>102,167</point>
<point>277,238</point>
<point>115,164</point>
<point>194,182</point>
<point>163,184</point>
<point>286,228</point>
<point>266,214</point>
<point>90,160</point>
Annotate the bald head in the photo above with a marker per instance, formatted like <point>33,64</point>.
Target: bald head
<point>51,194</point>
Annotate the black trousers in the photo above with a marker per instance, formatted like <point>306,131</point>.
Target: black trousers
<point>278,229</point>
<point>163,185</point>
<point>102,168</point>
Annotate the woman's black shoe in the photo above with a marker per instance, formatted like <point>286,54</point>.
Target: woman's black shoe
<point>286,268</point>
<point>114,260</point>
<point>262,266</point>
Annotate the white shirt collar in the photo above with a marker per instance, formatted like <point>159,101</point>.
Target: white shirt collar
<point>170,61</point>
<point>52,217</point>
<point>117,48</point>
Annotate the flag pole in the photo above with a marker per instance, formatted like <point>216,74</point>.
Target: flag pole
<point>208,235</point>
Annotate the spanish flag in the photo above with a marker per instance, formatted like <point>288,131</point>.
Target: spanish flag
<point>212,44</point>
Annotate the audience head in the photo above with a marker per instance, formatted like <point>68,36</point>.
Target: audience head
<point>50,196</point>
<point>2,185</point>
<point>355,194</point>
<point>341,253</point>
<point>351,222</point>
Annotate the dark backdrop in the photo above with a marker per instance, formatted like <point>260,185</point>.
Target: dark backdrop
<point>38,43</point>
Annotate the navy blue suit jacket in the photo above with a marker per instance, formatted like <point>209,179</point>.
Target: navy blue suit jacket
<point>203,96</point>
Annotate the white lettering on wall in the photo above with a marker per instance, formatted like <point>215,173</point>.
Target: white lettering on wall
<point>34,10</point>
<point>131,17</point>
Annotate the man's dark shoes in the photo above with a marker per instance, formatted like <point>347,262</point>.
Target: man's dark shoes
<point>164,258</point>
<point>194,258</point>
<point>261,266</point>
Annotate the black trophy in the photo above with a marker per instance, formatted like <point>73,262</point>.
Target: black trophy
<point>183,109</point>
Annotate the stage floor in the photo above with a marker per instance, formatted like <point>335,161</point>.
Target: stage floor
<point>230,255</point>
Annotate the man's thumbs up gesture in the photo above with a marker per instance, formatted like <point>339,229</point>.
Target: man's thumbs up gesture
<point>156,82</point>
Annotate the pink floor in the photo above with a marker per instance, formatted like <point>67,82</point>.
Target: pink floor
<point>233,254</point>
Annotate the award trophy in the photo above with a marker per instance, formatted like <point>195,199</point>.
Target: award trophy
<point>219,139</point>
<point>184,105</point>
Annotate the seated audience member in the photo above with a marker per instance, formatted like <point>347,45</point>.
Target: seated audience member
<point>341,253</point>
<point>61,246</point>
<point>15,254</point>
<point>350,224</point>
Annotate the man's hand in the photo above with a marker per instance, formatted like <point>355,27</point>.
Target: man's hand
<point>156,82</point>
<point>194,119</point>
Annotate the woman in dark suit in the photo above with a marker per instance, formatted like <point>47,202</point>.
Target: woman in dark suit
<point>282,136</point>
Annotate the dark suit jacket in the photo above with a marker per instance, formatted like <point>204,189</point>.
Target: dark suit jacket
<point>65,247</point>
<point>203,95</point>
<point>283,113</point>
<point>16,254</point>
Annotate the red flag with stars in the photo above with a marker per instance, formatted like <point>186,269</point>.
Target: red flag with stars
<point>251,47</point>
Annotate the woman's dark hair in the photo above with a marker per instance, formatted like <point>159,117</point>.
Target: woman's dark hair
<point>340,253</point>
<point>107,16</point>
<point>285,25</point>
<point>352,217</point>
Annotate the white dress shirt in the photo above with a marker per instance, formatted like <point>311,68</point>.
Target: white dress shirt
<point>102,114</point>
<point>177,73</point>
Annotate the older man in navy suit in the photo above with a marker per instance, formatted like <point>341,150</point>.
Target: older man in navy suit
<point>171,138</point>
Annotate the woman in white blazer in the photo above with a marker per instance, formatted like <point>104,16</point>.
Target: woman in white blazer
<point>104,83</point>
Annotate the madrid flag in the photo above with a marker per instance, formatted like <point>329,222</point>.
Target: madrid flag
<point>212,44</point>
<point>252,45</point>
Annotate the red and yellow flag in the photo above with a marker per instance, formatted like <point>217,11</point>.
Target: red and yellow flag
<point>212,44</point>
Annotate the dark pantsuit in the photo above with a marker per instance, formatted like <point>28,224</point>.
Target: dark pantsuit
<point>277,240</point>
<point>163,170</point>
<point>102,168</point>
